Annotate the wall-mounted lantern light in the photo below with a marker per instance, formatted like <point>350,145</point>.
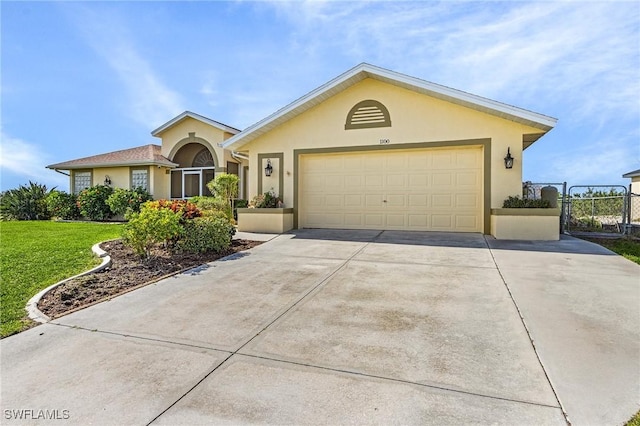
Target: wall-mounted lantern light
<point>107,180</point>
<point>508,160</point>
<point>269,169</point>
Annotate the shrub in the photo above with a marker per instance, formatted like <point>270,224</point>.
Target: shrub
<point>209,203</point>
<point>225,187</point>
<point>150,227</point>
<point>124,202</point>
<point>93,202</point>
<point>522,203</point>
<point>186,209</point>
<point>63,205</point>
<point>240,203</point>
<point>265,201</point>
<point>25,203</point>
<point>208,233</point>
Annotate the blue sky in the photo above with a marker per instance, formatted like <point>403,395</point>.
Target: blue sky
<point>84,78</point>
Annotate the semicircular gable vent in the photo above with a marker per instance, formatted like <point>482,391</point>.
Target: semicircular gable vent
<point>366,114</point>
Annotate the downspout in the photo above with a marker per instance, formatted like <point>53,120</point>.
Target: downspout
<point>235,154</point>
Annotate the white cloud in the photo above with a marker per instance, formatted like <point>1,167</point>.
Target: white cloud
<point>149,101</point>
<point>22,161</point>
<point>583,53</point>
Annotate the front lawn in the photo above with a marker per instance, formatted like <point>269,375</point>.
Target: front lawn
<point>36,254</point>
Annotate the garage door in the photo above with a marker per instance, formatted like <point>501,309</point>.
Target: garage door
<point>425,189</point>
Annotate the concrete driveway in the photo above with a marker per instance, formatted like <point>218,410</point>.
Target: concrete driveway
<point>348,327</point>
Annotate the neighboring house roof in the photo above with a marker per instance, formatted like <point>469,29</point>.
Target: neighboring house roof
<point>176,120</point>
<point>364,70</point>
<point>148,155</point>
<point>632,174</point>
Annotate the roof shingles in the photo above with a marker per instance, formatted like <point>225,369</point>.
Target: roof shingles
<point>139,156</point>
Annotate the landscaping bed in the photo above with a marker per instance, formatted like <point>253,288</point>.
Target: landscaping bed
<point>126,273</point>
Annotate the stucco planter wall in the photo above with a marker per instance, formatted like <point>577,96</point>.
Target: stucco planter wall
<point>525,224</point>
<point>271,221</point>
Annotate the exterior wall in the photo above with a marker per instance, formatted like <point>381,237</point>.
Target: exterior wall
<point>525,224</point>
<point>270,221</point>
<point>415,118</point>
<point>179,135</point>
<point>159,182</point>
<point>635,185</point>
<point>120,176</point>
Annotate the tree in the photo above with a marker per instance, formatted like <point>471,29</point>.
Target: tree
<point>225,187</point>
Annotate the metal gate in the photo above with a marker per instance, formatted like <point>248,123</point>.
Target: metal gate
<point>597,208</point>
<point>533,191</point>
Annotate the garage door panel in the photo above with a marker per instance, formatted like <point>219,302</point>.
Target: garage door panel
<point>468,201</point>
<point>419,161</point>
<point>418,181</point>
<point>442,179</point>
<point>354,200</point>
<point>396,221</point>
<point>396,163</point>
<point>314,183</point>
<point>320,220</point>
<point>334,201</point>
<point>374,220</point>
<point>315,201</point>
<point>468,222</point>
<point>442,221</point>
<point>425,189</point>
<point>418,221</point>
<point>467,159</point>
<point>418,200</point>
<point>334,183</point>
<point>396,200</point>
<point>467,178</point>
<point>398,181</point>
<point>443,160</point>
<point>373,163</point>
<point>372,182</point>
<point>354,182</point>
<point>373,200</point>
<point>334,163</point>
<point>442,201</point>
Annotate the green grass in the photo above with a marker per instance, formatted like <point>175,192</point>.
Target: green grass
<point>634,421</point>
<point>626,247</point>
<point>36,254</point>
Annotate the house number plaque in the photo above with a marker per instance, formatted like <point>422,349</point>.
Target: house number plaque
<point>384,141</point>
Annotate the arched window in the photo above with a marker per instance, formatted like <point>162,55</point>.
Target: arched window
<point>366,114</point>
<point>203,159</point>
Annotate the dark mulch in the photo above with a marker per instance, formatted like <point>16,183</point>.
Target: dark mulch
<point>127,272</point>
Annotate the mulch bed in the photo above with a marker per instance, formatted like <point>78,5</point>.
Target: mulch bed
<point>126,273</point>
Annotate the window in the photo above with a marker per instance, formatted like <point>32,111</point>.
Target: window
<point>140,179</point>
<point>232,168</point>
<point>81,180</point>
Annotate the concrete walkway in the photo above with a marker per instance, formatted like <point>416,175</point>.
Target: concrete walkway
<point>348,327</point>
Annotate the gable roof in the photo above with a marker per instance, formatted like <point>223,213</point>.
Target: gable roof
<point>157,132</point>
<point>147,155</point>
<point>363,71</point>
<point>632,174</point>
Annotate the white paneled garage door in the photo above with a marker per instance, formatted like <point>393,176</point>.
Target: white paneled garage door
<point>427,189</point>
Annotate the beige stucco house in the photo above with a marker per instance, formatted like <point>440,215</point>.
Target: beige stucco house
<point>371,148</point>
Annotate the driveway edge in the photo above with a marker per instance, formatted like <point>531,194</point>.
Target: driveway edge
<point>530,336</point>
<point>32,305</point>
